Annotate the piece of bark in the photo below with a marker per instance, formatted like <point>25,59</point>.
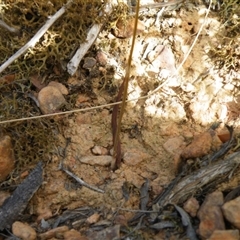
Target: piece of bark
<point>18,201</point>
<point>199,181</point>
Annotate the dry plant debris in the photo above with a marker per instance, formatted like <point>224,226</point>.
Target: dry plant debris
<point>156,127</point>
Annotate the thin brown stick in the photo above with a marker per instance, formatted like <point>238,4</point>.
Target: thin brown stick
<point>116,121</point>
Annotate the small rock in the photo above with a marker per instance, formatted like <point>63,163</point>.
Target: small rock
<point>225,235</point>
<point>210,215</point>
<point>191,206</point>
<point>212,199</point>
<point>23,231</point>
<point>59,231</point>
<point>7,158</point>
<point>59,86</point>
<point>93,218</point>
<point>50,100</point>
<point>99,150</point>
<point>211,222</point>
<point>24,174</point>
<point>89,62</point>
<point>102,58</point>
<point>73,235</point>
<point>97,160</point>
<point>224,135</point>
<point>231,211</point>
<point>124,28</point>
<point>163,57</point>
<point>229,87</point>
<point>201,145</point>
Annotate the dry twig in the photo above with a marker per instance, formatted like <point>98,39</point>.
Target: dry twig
<point>73,64</point>
<point>79,180</point>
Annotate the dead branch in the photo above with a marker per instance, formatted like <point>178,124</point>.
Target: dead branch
<point>18,201</point>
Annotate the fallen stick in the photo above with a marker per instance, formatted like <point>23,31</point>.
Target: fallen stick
<point>36,37</point>
<point>73,64</point>
<point>196,183</point>
<point>79,180</point>
<point>12,208</point>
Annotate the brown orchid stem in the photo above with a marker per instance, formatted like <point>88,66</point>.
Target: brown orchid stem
<point>117,119</point>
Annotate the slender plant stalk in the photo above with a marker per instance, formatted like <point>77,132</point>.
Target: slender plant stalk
<point>122,94</point>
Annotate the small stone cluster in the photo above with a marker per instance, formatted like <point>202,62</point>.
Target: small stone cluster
<point>212,215</point>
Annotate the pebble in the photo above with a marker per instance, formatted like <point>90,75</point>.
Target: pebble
<point>191,206</point>
<point>231,211</point>
<point>201,145</point>
<point>163,57</point>
<point>89,62</point>
<point>93,218</point>
<point>225,235</point>
<point>50,100</point>
<point>23,231</point>
<point>210,215</point>
<point>56,232</point>
<point>97,160</point>
<point>102,58</point>
<point>73,235</point>
<point>99,150</point>
<point>224,136</point>
<point>7,158</point>
<point>59,86</point>
<point>229,87</point>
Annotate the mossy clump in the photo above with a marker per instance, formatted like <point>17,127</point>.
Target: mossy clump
<point>33,140</point>
<point>58,44</point>
<point>227,53</point>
